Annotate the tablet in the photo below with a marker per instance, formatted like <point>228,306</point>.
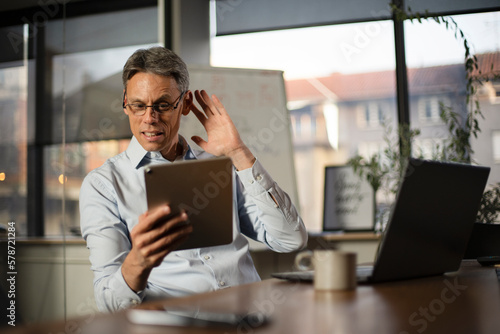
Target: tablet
<point>196,318</point>
<point>202,188</point>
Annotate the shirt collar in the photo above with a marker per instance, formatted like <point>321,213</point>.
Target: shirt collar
<point>136,153</point>
<point>185,148</point>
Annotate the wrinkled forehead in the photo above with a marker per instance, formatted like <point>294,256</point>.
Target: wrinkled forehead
<point>147,80</point>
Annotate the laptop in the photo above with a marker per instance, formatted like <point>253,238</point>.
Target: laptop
<point>429,225</point>
<point>483,241</point>
<point>201,188</point>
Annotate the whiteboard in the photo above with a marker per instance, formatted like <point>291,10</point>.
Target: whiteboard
<point>256,102</point>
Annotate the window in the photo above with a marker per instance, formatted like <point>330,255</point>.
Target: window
<point>371,115</point>
<point>86,79</point>
<point>354,73</point>
<point>429,109</point>
<point>70,87</point>
<point>303,124</point>
<point>492,89</point>
<point>348,81</point>
<point>13,147</point>
<point>436,75</point>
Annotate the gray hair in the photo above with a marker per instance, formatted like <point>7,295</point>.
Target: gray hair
<point>157,60</point>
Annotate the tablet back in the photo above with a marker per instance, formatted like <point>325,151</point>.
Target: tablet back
<point>202,188</point>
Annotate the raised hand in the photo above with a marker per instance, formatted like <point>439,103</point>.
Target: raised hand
<point>222,136</point>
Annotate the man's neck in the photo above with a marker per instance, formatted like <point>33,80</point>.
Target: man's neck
<point>175,151</point>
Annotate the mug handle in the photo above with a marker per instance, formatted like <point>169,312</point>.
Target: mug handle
<point>304,260</point>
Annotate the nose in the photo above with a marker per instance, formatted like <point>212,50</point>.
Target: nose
<point>151,115</point>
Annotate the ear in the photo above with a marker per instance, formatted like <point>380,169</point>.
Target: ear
<point>188,101</point>
<point>124,102</point>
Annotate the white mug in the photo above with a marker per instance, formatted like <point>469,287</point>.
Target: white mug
<point>333,269</point>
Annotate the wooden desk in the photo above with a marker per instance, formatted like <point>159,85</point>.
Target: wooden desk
<point>349,236</point>
<point>463,302</point>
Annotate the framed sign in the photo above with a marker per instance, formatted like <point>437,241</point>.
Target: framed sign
<point>348,201</point>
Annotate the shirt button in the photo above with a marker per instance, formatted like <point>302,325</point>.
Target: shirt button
<point>259,177</point>
<point>207,257</point>
<point>222,283</point>
<point>252,181</point>
<point>133,301</point>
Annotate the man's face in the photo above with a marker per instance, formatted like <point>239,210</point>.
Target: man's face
<point>156,132</point>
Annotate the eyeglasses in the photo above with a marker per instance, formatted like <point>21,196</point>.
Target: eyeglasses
<point>139,109</point>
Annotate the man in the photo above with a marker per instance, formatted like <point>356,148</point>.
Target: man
<point>131,248</point>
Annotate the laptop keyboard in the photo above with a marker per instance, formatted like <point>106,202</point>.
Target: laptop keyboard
<point>364,271</point>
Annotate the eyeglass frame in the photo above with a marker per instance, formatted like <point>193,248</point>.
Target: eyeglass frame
<point>154,106</point>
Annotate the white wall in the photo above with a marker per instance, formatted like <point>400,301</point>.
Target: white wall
<point>40,281</point>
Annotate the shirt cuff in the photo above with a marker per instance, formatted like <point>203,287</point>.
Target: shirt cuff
<point>255,179</point>
<point>128,297</point>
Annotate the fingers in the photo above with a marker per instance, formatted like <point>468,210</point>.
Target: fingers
<point>203,100</point>
<point>156,235</point>
<point>201,116</point>
<point>199,141</point>
<point>210,107</point>
<point>148,219</point>
<point>174,227</point>
<point>218,104</point>
<point>169,236</point>
<point>169,242</point>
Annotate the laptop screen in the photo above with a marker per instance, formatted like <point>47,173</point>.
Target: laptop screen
<point>348,201</point>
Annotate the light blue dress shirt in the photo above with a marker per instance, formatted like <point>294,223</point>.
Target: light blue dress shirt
<point>112,197</point>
